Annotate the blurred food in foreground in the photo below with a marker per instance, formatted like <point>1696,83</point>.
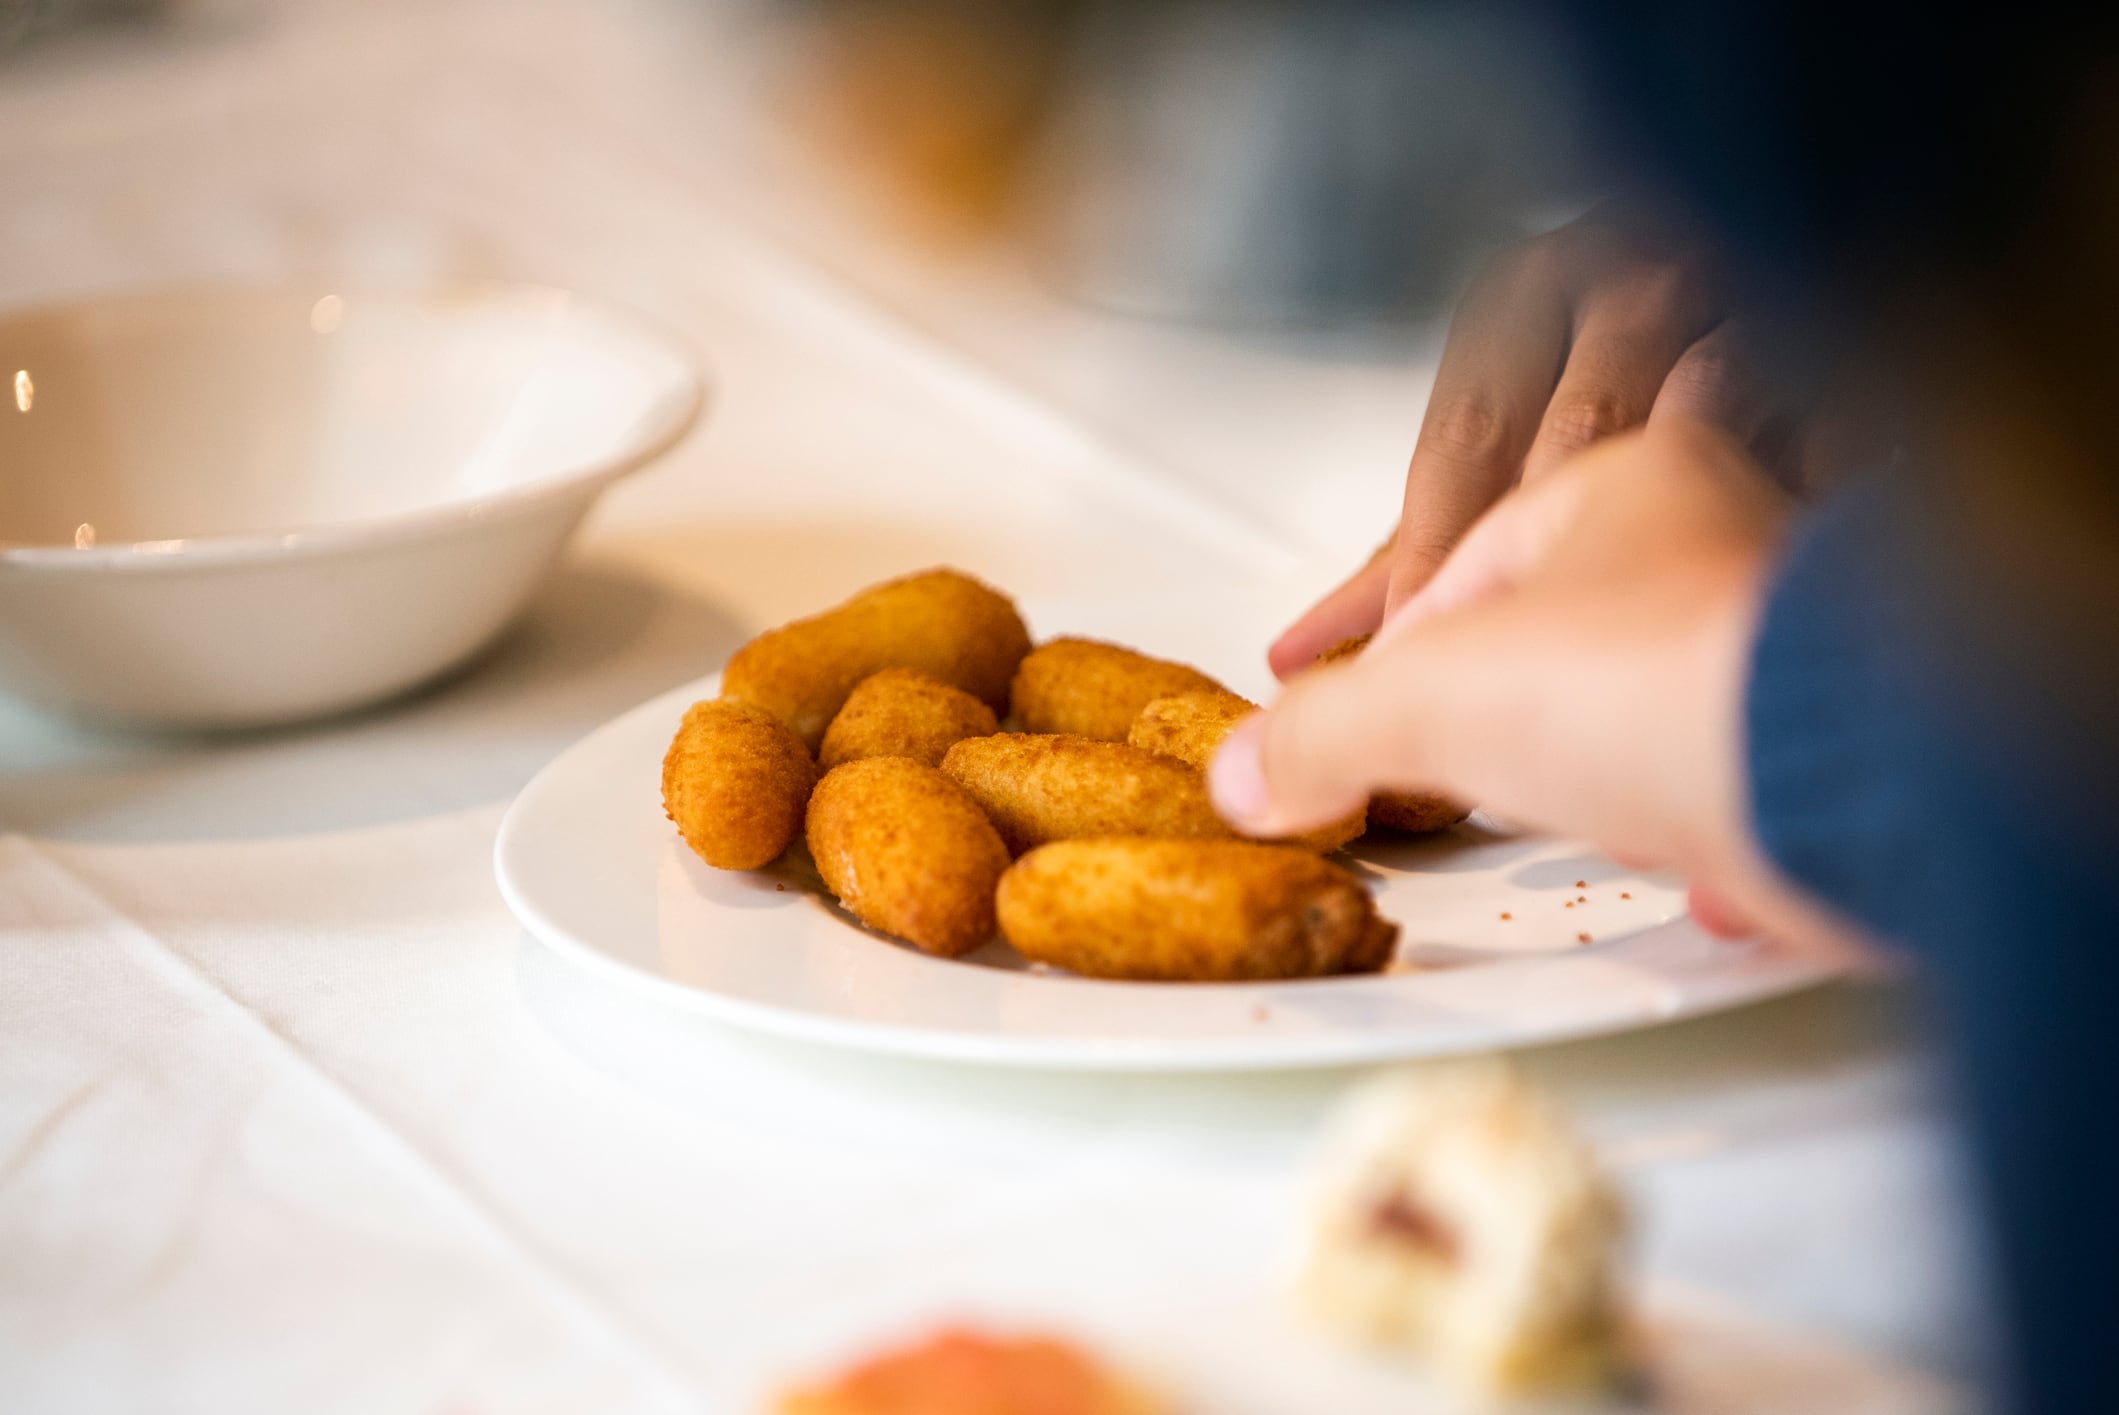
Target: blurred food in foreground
<point>967,1372</point>
<point>1458,1217</point>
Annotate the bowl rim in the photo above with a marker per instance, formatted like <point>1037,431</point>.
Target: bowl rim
<point>661,430</point>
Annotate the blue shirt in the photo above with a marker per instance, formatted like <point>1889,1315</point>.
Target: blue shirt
<point>1930,746</point>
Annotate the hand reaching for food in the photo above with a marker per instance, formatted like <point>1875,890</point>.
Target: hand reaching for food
<point>1612,322</point>
<point>1577,667</point>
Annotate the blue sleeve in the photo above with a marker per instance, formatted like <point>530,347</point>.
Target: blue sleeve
<point>1916,770</point>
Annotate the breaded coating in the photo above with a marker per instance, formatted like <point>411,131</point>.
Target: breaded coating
<point>942,622</point>
<point>1037,788</point>
<point>902,712</point>
<point>1190,911</point>
<point>1093,689</point>
<point>908,852</point>
<point>1192,726</point>
<point>1412,811</point>
<point>736,780</point>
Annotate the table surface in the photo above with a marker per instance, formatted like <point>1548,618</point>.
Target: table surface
<point>292,1114</point>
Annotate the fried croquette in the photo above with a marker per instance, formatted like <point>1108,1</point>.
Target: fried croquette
<point>960,1372</point>
<point>902,712</point>
<point>1190,911</point>
<point>1039,788</point>
<point>908,851</point>
<point>1192,726</point>
<point>1412,811</point>
<point>942,622</point>
<point>736,780</point>
<point>1093,689</point>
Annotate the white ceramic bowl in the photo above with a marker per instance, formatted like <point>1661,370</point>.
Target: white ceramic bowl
<point>225,509</point>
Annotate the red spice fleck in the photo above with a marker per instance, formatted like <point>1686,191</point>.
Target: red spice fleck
<point>1401,1218</point>
<point>1581,899</point>
<point>1506,915</point>
<point>1581,938</point>
<point>779,889</point>
<point>1581,884</point>
<point>1570,904</point>
<point>1624,895</point>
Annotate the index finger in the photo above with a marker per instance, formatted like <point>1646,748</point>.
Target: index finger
<point>1500,364</point>
<point>1353,609</point>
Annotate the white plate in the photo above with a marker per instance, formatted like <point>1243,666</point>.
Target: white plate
<point>594,869</point>
<point>588,862</point>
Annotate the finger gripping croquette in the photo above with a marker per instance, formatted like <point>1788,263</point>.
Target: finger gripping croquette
<point>942,622</point>
<point>736,780</point>
<point>1192,726</point>
<point>1416,812</point>
<point>902,712</point>
<point>908,852</point>
<point>1039,788</point>
<point>1092,689</point>
<point>1190,911</point>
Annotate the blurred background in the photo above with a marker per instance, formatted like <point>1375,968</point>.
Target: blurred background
<point>1221,232</point>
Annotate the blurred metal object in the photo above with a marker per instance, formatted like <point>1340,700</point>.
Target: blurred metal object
<point>1280,161</point>
<point>930,105</point>
<point>24,20</point>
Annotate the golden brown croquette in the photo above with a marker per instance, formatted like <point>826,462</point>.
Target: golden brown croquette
<point>1190,911</point>
<point>942,622</point>
<point>908,852</point>
<point>736,780</point>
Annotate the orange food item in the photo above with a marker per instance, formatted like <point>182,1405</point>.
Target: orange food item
<point>961,1372</point>
<point>1412,811</point>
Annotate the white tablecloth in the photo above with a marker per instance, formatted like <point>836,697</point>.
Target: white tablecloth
<point>293,1116</point>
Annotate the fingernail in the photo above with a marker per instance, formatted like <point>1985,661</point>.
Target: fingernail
<point>1236,778</point>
